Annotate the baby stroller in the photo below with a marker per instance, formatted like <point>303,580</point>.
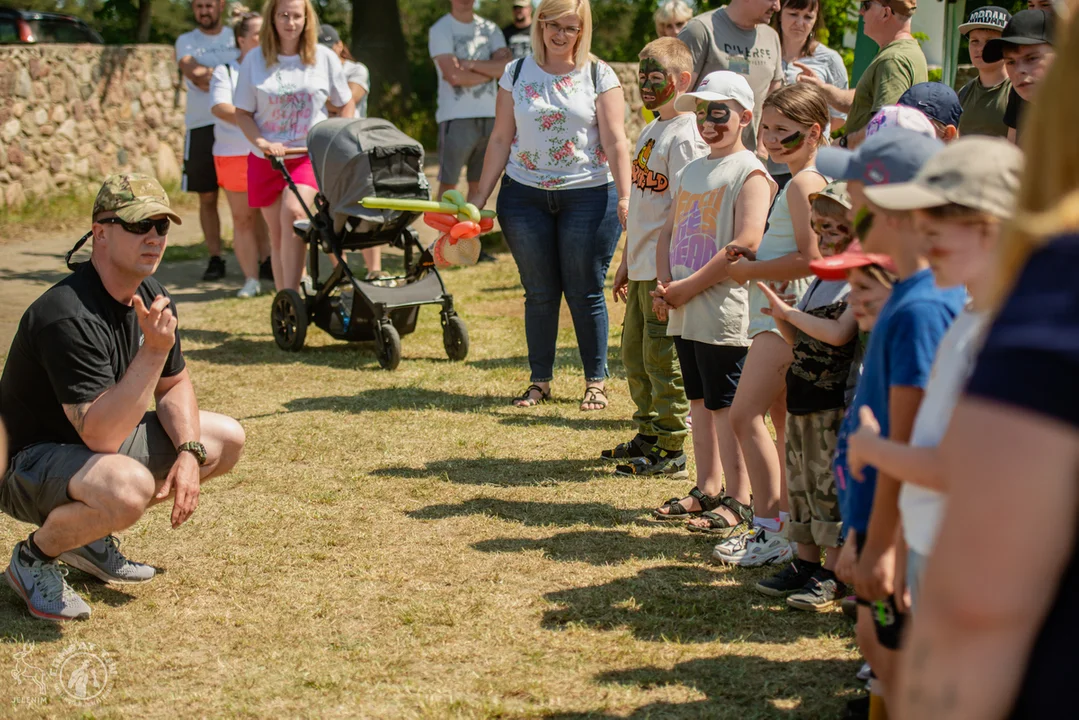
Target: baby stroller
<point>353,159</point>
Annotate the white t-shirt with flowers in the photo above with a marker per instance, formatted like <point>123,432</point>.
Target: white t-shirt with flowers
<point>557,146</point>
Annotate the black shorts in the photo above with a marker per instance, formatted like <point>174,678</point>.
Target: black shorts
<point>710,372</point>
<point>37,477</point>
<point>200,175</point>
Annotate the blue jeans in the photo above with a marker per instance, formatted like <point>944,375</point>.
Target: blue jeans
<point>563,242</point>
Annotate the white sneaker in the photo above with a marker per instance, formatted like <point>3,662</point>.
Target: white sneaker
<point>251,288</point>
<point>759,547</point>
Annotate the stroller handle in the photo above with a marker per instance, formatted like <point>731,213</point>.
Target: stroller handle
<point>278,163</point>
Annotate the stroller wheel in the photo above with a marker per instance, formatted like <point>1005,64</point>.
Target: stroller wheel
<point>389,347</point>
<point>455,338</point>
<point>288,317</point>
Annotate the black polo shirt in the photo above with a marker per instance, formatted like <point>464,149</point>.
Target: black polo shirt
<point>75,342</point>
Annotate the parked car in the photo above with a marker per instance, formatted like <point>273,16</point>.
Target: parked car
<point>20,27</point>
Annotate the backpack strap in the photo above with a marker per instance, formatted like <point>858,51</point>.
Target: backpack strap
<point>517,71</point>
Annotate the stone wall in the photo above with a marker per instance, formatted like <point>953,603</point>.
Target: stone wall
<point>72,114</point>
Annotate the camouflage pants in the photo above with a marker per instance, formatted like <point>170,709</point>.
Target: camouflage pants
<point>652,370</point>
<point>811,445</point>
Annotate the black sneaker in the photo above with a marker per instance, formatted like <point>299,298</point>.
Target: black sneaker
<point>635,448</point>
<point>857,709</point>
<point>266,270</point>
<point>485,257</point>
<point>656,462</point>
<point>789,580</point>
<point>215,270</point>
<point>823,592</point>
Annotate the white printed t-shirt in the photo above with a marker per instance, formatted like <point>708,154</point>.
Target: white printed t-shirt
<point>920,507</point>
<point>477,40</point>
<point>229,139</point>
<point>707,192</point>
<point>557,145</point>
<point>290,98</point>
<point>664,149</point>
<point>211,51</point>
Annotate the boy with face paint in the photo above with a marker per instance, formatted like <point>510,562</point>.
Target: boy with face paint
<point>664,148</point>
<point>719,199</point>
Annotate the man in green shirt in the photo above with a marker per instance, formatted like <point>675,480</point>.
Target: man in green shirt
<point>899,65</point>
<point>985,98</point>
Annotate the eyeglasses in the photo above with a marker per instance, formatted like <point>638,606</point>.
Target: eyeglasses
<point>567,30</point>
<point>141,227</point>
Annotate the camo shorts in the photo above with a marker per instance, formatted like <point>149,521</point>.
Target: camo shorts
<point>814,506</point>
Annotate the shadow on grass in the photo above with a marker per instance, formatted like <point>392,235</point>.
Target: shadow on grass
<point>683,603</point>
<point>240,351</point>
<point>45,277</point>
<point>738,686</point>
<point>586,421</point>
<point>397,398</point>
<point>538,514</point>
<point>504,472</point>
<point>603,547</point>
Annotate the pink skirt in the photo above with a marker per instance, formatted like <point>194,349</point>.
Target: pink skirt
<point>264,184</point>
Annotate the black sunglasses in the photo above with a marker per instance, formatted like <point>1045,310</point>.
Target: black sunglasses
<point>142,226</point>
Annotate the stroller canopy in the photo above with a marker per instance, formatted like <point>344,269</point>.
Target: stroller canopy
<point>358,158</point>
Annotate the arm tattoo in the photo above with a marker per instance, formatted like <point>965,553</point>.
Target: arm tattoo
<point>77,415</point>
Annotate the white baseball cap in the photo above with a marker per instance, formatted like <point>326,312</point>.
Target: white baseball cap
<point>717,87</point>
<point>900,116</point>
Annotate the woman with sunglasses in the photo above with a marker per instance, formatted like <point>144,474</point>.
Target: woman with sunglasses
<point>280,95</point>
<point>560,139</point>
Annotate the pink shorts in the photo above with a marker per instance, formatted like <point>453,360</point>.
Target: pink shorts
<point>264,184</point>
<point>231,172</point>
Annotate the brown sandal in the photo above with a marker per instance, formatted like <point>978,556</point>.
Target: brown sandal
<point>594,395</point>
<point>525,399</point>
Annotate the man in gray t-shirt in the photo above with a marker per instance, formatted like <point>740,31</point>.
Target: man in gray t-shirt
<point>737,38</point>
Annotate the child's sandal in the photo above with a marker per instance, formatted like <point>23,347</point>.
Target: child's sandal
<point>721,526</point>
<point>676,511</point>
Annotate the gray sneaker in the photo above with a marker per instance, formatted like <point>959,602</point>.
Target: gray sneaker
<point>43,587</point>
<point>103,559</point>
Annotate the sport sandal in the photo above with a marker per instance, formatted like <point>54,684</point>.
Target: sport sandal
<point>676,511</point>
<point>721,526</point>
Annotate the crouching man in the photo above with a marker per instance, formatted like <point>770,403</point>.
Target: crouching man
<point>87,458</point>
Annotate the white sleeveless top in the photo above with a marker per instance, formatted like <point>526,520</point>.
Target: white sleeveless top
<point>706,194</point>
<point>778,241</point>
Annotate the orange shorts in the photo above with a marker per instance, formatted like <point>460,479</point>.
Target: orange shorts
<point>231,172</point>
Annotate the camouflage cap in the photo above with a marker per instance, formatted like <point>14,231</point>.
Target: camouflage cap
<point>835,190</point>
<point>133,197</point>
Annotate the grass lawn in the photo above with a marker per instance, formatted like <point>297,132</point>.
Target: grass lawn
<point>408,545</point>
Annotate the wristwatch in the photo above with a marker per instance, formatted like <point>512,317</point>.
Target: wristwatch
<point>195,448</point>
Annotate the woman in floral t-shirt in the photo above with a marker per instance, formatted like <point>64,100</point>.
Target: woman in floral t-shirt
<point>560,139</point>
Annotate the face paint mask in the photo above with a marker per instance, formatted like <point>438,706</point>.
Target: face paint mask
<point>712,118</point>
<point>863,223</point>
<point>655,93</point>
<point>793,141</point>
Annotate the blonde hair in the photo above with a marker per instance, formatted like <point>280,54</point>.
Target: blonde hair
<point>672,11</point>
<point>308,41</point>
<point>554,9</point>
<point>669,52</point>
<point>1048,200</point>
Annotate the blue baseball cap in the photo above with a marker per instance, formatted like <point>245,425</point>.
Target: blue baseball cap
<point>890,156</point>
<point>938,101</point>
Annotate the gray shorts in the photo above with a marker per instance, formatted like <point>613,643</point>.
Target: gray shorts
<point>36,480</point>
<point>462,142</point>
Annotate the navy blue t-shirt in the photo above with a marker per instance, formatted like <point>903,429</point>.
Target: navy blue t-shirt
<point>900,353</point>
<point>1031,361</point>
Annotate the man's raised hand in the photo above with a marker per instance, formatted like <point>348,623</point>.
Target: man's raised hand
<point>158,324</point>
